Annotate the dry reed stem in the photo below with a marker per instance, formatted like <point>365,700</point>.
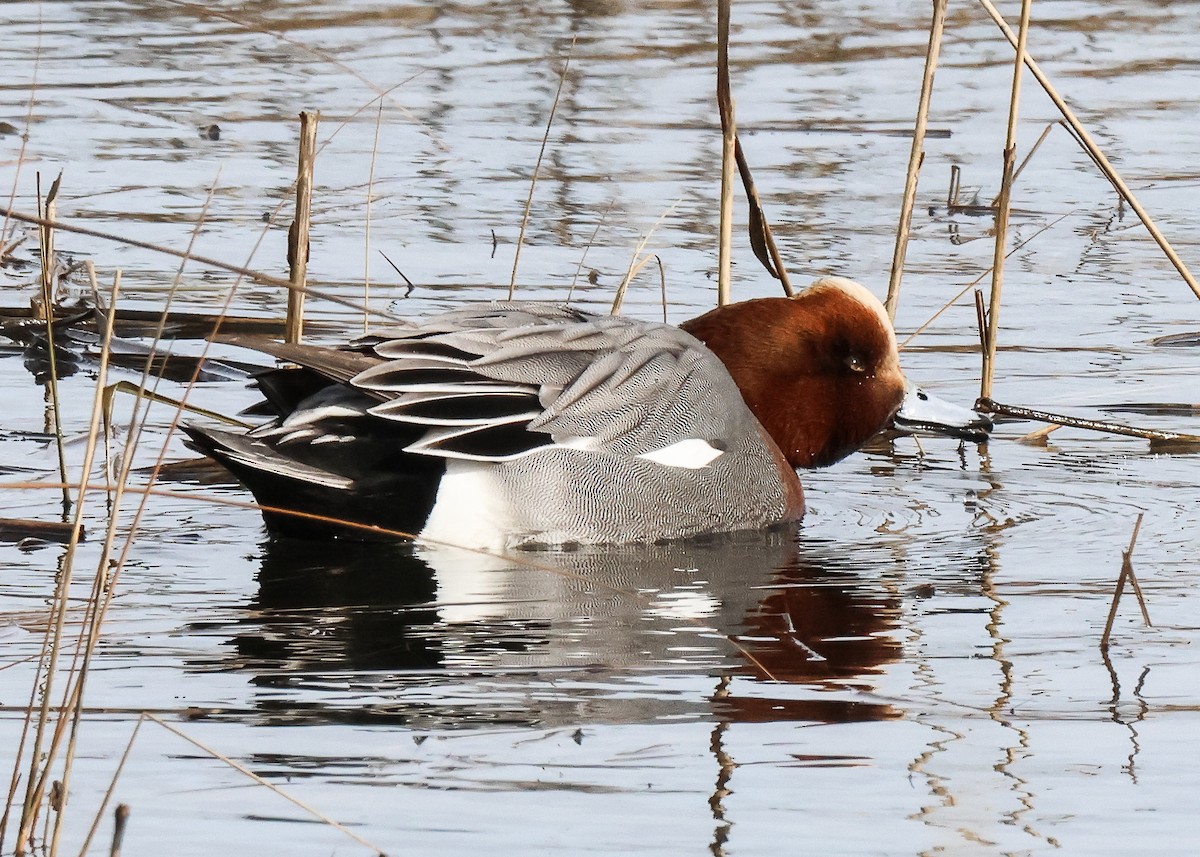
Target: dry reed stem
<point>1003,206</point>
<point>36,784</point>
<point>1096,154</point>
<point>89,457</point>
<point>725,107</point>
<point>104,583</point>
<point>1126,574</point>
<point>298,235</point>
<point>367,224</point>
<point>242,769</point>
<point>916,156</point>
<point>562,77</point>
<point>662,282</point>
<point>48,209</point>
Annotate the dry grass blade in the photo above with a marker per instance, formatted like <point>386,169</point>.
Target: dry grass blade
<point>637,262</point>
<point>140,392</point>
<point>207,11</point>
<point>37,783</point>
<point>916,156</point>
<point>562,77</point>
<point>242,769</point>
<point>6,245</point>
<point>1126,574</point>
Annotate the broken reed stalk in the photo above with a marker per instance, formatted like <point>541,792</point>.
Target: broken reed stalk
<point>1095,153</point>
<point>728,154</point>
<point>120,820</point>
<point>1126,574</point>
<point>298,235</point>
<point>1003,205</point>
<point>916,156</point>
<point>537,167</point>
<point>1029,157</point>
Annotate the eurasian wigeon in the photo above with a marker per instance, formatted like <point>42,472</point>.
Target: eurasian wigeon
<point>527,424</point>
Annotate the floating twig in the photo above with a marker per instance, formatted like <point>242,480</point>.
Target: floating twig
<point>916,156</point>
<point>991,406</point>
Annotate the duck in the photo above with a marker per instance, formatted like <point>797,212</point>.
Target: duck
<point>532,425</point>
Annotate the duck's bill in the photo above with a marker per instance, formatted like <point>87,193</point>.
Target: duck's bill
<point>921,413</point>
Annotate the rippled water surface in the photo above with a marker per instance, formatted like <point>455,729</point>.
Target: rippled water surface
<point>917,671</point>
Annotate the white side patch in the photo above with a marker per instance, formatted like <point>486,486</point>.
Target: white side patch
<point>690,454</point>
<point>469,510</point>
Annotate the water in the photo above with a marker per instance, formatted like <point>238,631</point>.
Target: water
<point>917,673</point>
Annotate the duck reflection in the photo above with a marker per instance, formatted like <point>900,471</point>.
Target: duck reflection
<point>446,637</point>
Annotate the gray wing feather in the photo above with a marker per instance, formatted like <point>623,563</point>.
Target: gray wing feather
<point>625,386</point>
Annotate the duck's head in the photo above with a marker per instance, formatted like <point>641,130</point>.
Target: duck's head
<point>819,370</point>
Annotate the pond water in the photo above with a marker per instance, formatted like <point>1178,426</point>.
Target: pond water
<point>916,671</point>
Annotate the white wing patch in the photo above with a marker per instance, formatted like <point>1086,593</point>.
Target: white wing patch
<point>689,454</point>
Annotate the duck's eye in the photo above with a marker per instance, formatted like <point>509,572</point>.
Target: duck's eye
<point>856,364</point>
